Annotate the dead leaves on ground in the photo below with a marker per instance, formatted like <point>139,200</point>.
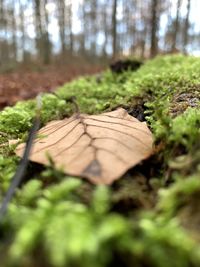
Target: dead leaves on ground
<point>99,147</point>
<point>26,84</point>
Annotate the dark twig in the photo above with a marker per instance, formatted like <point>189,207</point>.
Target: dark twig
<point>74,102</point>
<point>18,176</point>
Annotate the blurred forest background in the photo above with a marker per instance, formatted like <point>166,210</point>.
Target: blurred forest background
<point>86,35</point>
<point>57,30</point>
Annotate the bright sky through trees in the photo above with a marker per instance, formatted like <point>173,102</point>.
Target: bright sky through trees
<point>76,25</point>
<point>34,29</point>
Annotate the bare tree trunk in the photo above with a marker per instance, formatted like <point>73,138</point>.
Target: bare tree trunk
<point>46,40</point>
<point>4,51</point>
<point>22,30</point>
<point>129,38</point>
<point>176,26</point>
<point>167,36</point>
<point>114,30</point>
<point>61,22</point>
<point>14,38</point>
<point>42,36</point>
<point>38,28</point>
<point>83,32</point>
<point>186,28</point>
<point>71,36</point>
<point>1,28</point>
<point>154,28</point>
<point>143,43</point>
<point>94,28</point>
<point>143,33</point>
<point>105,29</point>
<point>65,28</point>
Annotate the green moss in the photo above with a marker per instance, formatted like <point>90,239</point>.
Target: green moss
<point>7,170</point>
<point>53,108</point>
<point>185,128</point>
<point>72,223</point>
<point>68,231</point>
<point>18,119</point>
<point>165,243</point>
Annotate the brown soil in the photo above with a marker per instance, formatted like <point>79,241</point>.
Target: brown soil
<point>23,85</point>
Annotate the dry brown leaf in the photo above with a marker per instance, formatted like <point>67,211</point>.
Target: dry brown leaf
<point>99,147</point>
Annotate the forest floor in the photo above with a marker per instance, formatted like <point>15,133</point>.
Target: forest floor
<point>25,83</point>
<point>150,216</point>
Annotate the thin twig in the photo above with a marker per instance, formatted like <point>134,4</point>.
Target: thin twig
<point>18,176</point>
<point>74,102</point>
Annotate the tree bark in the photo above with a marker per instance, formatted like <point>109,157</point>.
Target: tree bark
<point>46,39</point>
<point>71,36</point>
<point>4,48</point>
<point>38,28</point>
<point>22,30</point>
<point>176,26</point>
<point>114,30</point>
<point>61,22</point>
<point>186,28</point>
<point>14,37</point>
<point>154,28</point>
<point>105,30</point>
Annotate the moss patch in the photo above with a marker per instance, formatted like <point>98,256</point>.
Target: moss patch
<point>143,219</point>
